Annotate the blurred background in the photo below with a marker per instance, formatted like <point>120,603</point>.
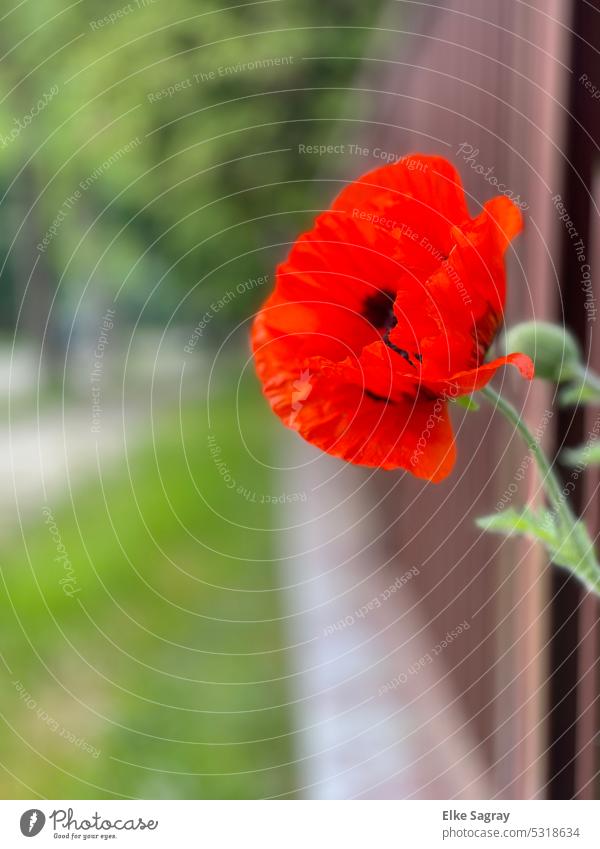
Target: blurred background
<point>194,604</point>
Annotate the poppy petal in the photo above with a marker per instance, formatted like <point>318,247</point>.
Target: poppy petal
<point>413,434</point>
<point>384,310</point>
<point>466,382</point>
<point>505,218</point>
<point>420,193</point>
<point>344,260</point>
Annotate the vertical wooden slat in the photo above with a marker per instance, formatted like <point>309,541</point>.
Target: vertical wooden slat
<point>494,76</point>
<point>587,763</point>
<point>574,644</point>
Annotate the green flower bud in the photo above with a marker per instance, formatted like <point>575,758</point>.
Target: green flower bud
<point>553,349</point>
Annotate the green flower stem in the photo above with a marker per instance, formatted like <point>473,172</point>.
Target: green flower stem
<point>586,568</point>
<point>550,481</point>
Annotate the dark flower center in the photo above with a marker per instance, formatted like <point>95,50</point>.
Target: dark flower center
<point>378,309</point>
<point>401,351</point>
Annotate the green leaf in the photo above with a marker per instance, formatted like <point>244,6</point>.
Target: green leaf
<point>564,550</point>
<point>584,455</point>
<point>578,393</point>
<point>510,522</point>
<point>572,551</point>
<point>467,402</point>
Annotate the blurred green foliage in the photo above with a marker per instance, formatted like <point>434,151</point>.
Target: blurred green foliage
<point>149,153</point>
<point>214,169</point>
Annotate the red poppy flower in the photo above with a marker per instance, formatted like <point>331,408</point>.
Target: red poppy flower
<point>384,311</point>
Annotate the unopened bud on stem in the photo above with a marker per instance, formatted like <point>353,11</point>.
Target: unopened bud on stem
<point>553,349</point>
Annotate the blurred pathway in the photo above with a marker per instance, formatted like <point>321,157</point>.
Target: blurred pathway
<point>41,459</point>
<point>46,453</point>
<point>369,726</point>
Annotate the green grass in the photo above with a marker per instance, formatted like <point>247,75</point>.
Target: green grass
<point>169,657</point>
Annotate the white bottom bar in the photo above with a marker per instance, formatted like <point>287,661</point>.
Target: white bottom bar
<point>301,824</point>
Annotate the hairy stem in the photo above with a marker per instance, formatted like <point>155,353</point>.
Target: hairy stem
<point>586,568</point>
